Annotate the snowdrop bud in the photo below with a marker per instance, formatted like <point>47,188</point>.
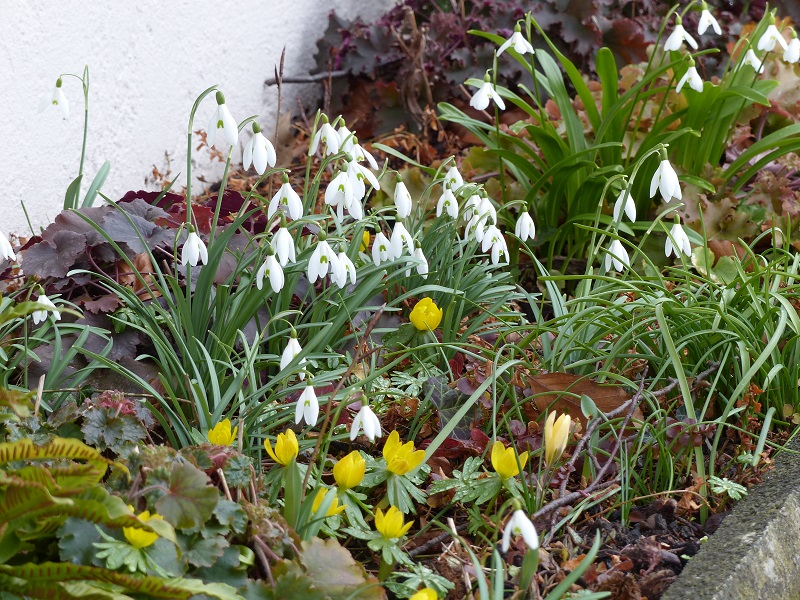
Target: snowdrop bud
<point>222,122</point>
<point>520,524</point>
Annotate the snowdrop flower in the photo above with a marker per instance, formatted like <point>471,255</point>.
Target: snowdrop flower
<point>693,77</point>
<point>259,151</point>
<point>358,175</point>
<point>381,249</point>
<point>494,239</point>
<point>518,42</point>
<point>678,36</point>
<point>525,229</point>
<point>346,138</point>
<point>677,242</point>
<point>520,524</point>
<point>486,92</point>
<point>222,121</point>
<point>402,198</point>
<point>194,250</point>
<point>6,251</point>
<point>792,53</point>
<point>40,316</point>
<point>360,155</point>
<point>327,134</point>
<point>471,206</point>
<point>618,256</point>
<point>400,237</point>
<point>339,192</point>
<point>751,59</point>
<point>771,35</point>
<point>283,243</point>
<point>272,269</point>
<point>286,196</point>
<point>322,260</point>
<point>347,268</point>
<point>625,203</point>
<point>56,98</point>
<point>422,264</point>
<point>665,179</point>
<point>368,421</point>
<point>453,177</point>
<point>447,203</point>
<point>307,407</point>
<point>706,20</point>
<point>291,351</point>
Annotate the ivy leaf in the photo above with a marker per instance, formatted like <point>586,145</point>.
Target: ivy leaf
<point>333,569</point>
<point>190,499</point>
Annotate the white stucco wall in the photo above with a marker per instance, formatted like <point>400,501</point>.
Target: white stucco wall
<point>148,61</point>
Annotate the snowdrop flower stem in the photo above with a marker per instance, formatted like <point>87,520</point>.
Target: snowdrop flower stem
<point>189,131</point>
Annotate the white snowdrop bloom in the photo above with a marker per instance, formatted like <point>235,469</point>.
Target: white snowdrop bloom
<point>475,228</point>
<point>322,260</point>
<point>286,196</point>
<point>362,173</point>
<point>222,123</point>
<point>694,79</point>
<point>792,53</point>
<point>677,241</point>
<point>471,206</point>
<point>447,203</point>
<point>751,59</point>
<point>339,192</point>
<point>402,198</point>
<point>347,268</point>
<point>770,37</point>
<point>283,243</point>
<point>360,155</point>
<point>6,251</point>
<point>518,42</point>
<point>422,266</point>
<point>259,151</point>
<point>326,133</point>
<point>40,316</point>
<point>665,179</point>
<point>307,407</point>
<point>292,350</point>
<point>625,204</point>
<point>492,238</point>
<point>346,138</point>
<point>520,524</point>
<point>707,20</point>
<point>355,208</point>
<point>453,178</point>
<point>368,421</point>
<point>678,36</point>
<point>194,250</point>
<point>381,249</point>
<point>400,238</point>
<point>271,269</point>
<point>56,98</point>
<point>480,100</point>
<point>618,256</point>
<point>525,229</point>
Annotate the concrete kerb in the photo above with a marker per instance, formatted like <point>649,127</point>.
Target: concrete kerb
<point>755,553</point>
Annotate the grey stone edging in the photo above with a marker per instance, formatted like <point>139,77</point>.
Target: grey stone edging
<point>755,553</point>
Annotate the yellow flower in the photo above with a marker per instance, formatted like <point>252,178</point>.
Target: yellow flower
<point>425,594</point>
<point>334,509</point>
<point>286,448</point>
<point>426,315</point>
<point>349,471</point>
<point>139,538</point>
<point>504,460</point>
<point>365,241</point>
<point>391,525</point>
<point>401,458</point>
<point>222,435</point>
<point>556,434</point>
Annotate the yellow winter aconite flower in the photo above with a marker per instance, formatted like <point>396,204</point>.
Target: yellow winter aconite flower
<point>425,594</point>
<point>222,435</point>
<point>139,538</point>
<point>504,461</point>
<point>401,458</point>
<point>349,471</point>
<point>286,448</point>
<point>334,509</point>
<point>365,241</point>
<point>556,434</point>
<point>426,315</point>
<point>391,525</point>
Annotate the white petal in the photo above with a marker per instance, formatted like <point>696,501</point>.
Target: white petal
<point>505,45</point>
<point>247,153</point>
<point>480,101</point>
<point>260,155</point>
<point>229,126</point>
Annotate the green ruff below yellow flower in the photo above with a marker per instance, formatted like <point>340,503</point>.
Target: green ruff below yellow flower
<point>401,458</point>
<point>222,435</point>
<point>426,315</point>
<point>139,538</point>
<point>391,525</point>
<point>504,461</point>
<point>286,448</point>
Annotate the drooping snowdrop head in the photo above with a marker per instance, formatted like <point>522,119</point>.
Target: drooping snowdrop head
<point>368,421</point>
<point>665,180</point>
<point>486,92</point>
<point>283,243</point>
<point>322,260</point>
<point>770,37</point>
<point>792,53</point>
<point>259,151</point>
<point>707,20</point>
<point>307,408</point>
<point>447,203</point>
<point>40,316</point>
<point>520,524</point>
<point>400,239</point>
<point>453,178</point>
<point>292,350</point>
<point>525,229</point>
<point>56,98</point>
<point>346,268</point>
<point>692,77</point>
<point>381,249</point>
<point>286,198</point>
<point>625,204</point>
<point>222,129</point>
<point>346,138</point>
<point>493,239</point>
<point>194,250</point>
<point>678,36</point>
<point>360,155</point>
<point>271,269</point>
<point>402,198</point>
<point>751,59</point>
<point>617,256</point>
<point>677,241</point>
<point>6,251</point>
<point>518,42</point>
<point>326,134</point>
<point>422,264</point>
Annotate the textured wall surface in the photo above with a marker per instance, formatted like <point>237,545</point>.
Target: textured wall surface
<point>148,61</point>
